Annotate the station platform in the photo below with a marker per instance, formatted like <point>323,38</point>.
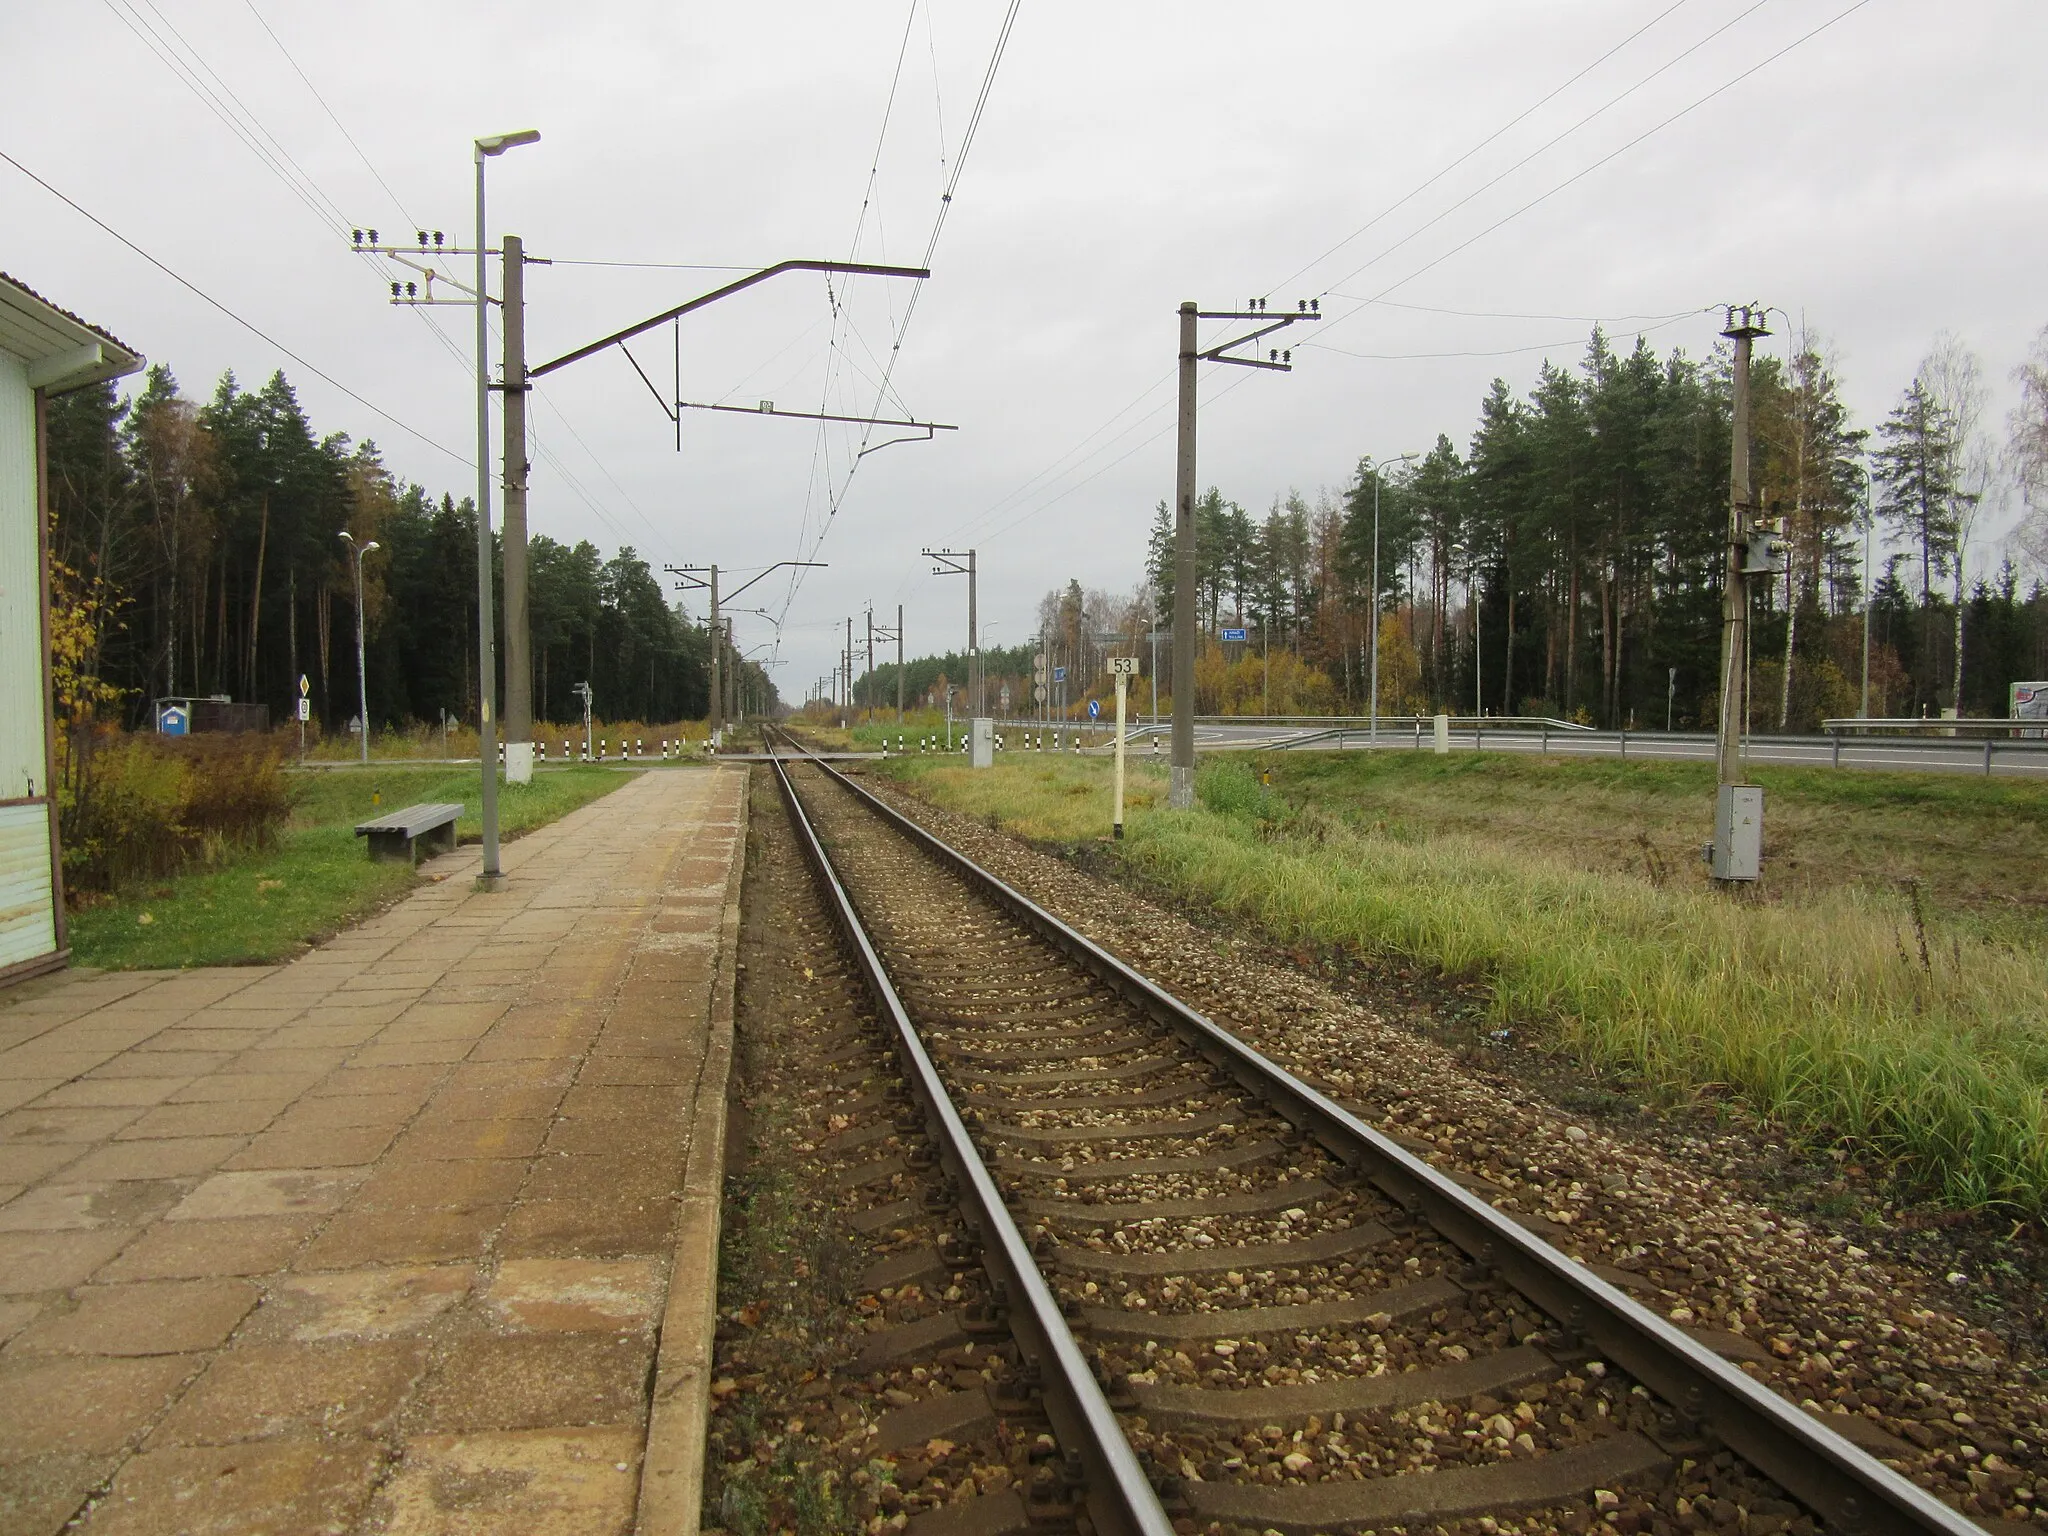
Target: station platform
<point>415,1234</point>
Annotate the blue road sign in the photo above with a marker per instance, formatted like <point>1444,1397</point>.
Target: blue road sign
<point>1233,634</point>
<point>1059,674</point>
<point>1095,709</point>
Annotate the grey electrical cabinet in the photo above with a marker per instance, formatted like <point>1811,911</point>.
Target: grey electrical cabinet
<point>982,742</point>
<point>1738,832</point>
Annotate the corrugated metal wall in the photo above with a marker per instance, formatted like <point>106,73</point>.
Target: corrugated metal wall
<point>21,603</point>
<point>28,927</point>
<point>28,922</point>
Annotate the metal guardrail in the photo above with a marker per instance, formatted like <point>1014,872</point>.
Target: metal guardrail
<point>1848,1489</point>
<point>2036,726</point>
<point>1839,745</point>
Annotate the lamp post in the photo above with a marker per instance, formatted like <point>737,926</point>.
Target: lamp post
<point>1373,733</point>
<point>362,677</point>
<point>486,641</point>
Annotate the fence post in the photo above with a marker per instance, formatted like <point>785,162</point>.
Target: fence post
<point>1987,757</point>
<point>1836,736</point>
<point>1624,742</point>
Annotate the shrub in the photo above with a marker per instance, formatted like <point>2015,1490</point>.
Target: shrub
<point>139,807</point>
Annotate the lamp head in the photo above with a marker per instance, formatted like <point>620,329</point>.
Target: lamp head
<point>498,143</point>
<point>348,537</point>
<point>370,546</point>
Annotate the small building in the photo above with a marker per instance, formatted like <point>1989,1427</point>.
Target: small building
<point>44,351</point>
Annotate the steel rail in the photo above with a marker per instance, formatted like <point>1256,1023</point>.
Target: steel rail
<point>1120,1498</point>
<point>1851,1491</point>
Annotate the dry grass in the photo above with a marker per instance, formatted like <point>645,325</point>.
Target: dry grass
<point>1843,1014</point>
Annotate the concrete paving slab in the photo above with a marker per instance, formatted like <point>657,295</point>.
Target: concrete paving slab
<point>267,1192</point>
<point>191,1250</point>
<point>385,1239</point>
<point>55,1261</point>
<point>149,1317</point>
<point>84,1407</point>
<point>159,1158</point>
<point>540,1482</point>
<point>360,1304</point>
<point>264,1391</point>
<point>278,1488</point>
<point>575,1295</point>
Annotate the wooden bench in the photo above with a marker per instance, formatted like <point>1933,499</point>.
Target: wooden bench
<point>399,834</point>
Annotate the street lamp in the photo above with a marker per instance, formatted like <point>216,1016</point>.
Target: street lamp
<point>362,678</point>
<point>1373,734</point>
<point>487,665</point>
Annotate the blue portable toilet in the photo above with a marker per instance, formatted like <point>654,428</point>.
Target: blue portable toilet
<point>172,720</point>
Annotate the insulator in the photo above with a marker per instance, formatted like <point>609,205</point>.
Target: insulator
<point>359,237</point>
<point>394,290</point>
<point>1315,306</point>
<point>1272,354</point>
<point>1286,357</point>
<point>437,237</point>
<point>373,237</point>
<point>1300,306</point>
<point>411,289</point>
<point>423,239</point>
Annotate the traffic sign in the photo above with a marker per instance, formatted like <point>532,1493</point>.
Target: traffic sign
<point>305,709</point>
<point>1059,674</point>
<point>1095,709</point>
<point>304,688</point>
<point>1123,666</point>
<point>1233,634</point>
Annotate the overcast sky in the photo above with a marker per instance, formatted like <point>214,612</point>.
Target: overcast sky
<point>1881,181</point>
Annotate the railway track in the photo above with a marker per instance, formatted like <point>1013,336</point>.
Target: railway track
<point>1238,1305</point>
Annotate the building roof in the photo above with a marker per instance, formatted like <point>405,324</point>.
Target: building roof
<point>62,351</point>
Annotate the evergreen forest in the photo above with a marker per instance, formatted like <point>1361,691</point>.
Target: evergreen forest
<point>197,550</point>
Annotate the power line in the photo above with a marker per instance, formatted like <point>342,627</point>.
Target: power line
<point>247,325</point>
<point>1544,346</point>
<point>1381,296</point>
<point>655,266</point>
<point>903,326</point>
<point>250,132</point>
<point>1580,175</point>
<point>1553,141</point>
<point>315,92</point>
<point>1417,190</point>
<point>1513,122</point>
<point>1501,314</point>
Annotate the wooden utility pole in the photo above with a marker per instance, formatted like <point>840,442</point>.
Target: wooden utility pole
<point>899,663</point>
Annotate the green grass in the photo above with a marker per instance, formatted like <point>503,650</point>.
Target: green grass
<point>267,905</point>
<point>1811,1003</point>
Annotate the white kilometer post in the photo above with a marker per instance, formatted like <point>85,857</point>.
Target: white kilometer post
<point>1125,668</point>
